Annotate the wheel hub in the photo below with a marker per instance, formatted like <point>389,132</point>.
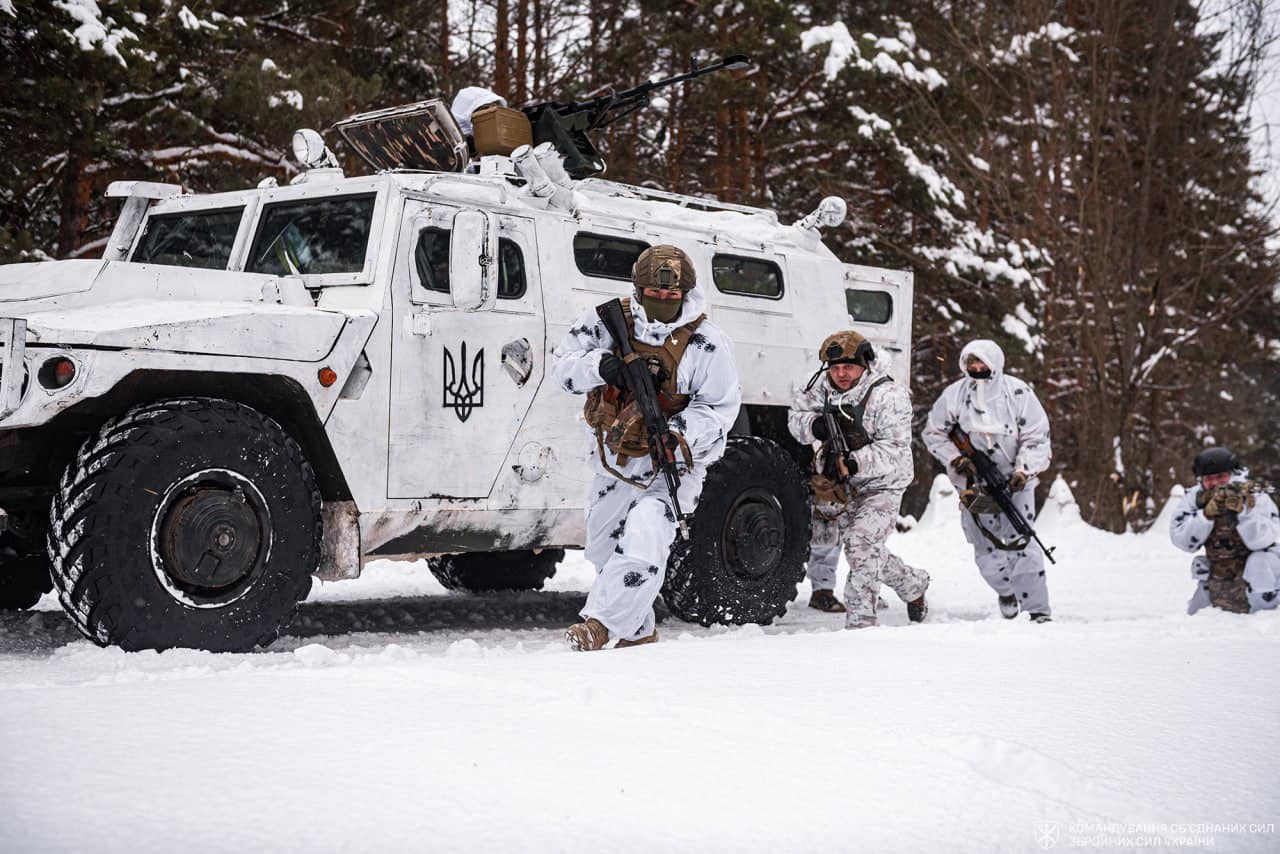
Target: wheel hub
<point>212,537</point>
<point>754,536</point>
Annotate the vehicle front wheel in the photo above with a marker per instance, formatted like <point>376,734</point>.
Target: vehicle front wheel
<point>748,539</point>
<point>185,523</point>
<point>483,572</point>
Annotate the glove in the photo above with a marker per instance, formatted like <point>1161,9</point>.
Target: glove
<point>1232,499</point>
<point>611,370</point>
<point>1202,497</point>
<point>1017,480</point>
<point>820,430</point>
<point>964,467</point>
<point>1213,508</point>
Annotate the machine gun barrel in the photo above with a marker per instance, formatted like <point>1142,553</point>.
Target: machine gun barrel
<point>640,383</point>
<point>600,110</point>
<point>997,486</point>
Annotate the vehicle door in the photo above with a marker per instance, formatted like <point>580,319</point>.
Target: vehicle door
<point>879,306</point>
<point>464,375</point>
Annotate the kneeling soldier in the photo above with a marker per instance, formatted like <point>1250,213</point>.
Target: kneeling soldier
<point>862,469</point>
<point>1239,528</point>
<point>630,518</point>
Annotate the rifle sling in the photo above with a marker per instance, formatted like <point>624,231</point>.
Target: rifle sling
<point>1014,546</point>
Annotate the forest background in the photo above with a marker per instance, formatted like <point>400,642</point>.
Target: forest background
<point>1073,179</point>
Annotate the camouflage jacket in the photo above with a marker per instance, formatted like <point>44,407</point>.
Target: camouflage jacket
<point>885,463</point>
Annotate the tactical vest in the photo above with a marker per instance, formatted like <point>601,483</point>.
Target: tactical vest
<point>612,412</point>
<point>825,486</point>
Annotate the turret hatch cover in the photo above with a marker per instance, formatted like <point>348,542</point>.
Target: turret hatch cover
<point>421,136</point>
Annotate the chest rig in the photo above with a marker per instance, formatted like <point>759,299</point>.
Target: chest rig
<point>614,414</point>
<point>825,483</point>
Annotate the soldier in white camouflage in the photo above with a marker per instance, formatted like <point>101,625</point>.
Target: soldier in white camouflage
<point>858,494</point>
<point>1236,523</point>
<point>1005,420</point>
<point>630,519</point>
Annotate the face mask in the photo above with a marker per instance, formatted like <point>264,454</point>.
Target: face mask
<point>984,374</point>
<point>662,310</point>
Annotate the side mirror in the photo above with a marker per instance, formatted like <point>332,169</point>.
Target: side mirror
<point>473,261</point>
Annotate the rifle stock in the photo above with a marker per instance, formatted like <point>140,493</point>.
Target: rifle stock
<point>996,485</point>
<point>640,384</point>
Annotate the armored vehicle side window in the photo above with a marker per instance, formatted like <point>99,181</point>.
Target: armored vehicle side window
<point>195,239</point>
<point>431,258</point>
<point>606,257</point>
<point>313,237</point>
<point>511,282</point>
<point>869,306</point>
<point>753,277</point>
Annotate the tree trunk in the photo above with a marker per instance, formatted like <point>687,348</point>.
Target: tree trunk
<point>501,52</point>
<point>521,91</point>
<point>76,194</point>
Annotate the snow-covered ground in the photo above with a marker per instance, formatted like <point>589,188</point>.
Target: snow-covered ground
<point>445,722</point>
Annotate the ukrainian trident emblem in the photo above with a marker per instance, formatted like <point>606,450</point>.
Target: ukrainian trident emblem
<point>462,394</point>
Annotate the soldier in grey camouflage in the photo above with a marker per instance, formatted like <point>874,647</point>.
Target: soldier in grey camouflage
<point>861,471</point>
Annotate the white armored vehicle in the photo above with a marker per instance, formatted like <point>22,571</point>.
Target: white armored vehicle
<point>252,388</point>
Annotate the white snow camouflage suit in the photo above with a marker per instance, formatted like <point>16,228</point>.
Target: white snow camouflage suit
<point>1003,418</point>
<point>884,472</point>
<point>1259,528</point>
<point>629,529</point>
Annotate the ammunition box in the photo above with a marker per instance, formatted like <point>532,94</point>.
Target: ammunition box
<point>500,130</point>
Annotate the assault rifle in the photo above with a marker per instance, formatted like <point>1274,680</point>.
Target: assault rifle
<point>565,124</point>
<point>837,462</point>
<point>639,381</point>
<point>997,486</point>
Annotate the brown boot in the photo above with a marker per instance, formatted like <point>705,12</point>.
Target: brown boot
<point>653,638</point>
<point>825,600</point>
<point>588,636</point>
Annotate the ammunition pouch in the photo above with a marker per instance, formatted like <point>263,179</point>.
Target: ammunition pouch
<point>619,424</point>
<point>1229,595</point>
<point>827,491</point>
<point>1227,553</point>
<point>856,436</point>
<point>978,502</point>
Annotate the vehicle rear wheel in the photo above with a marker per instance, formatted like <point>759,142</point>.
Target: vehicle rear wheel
<point>483,572</point>
<point>748,539</point>
<point>185,523</point>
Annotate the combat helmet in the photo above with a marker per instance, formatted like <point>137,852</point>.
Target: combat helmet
<point>847,347</point>
<point>663,267</point>
<point>1215,460</point>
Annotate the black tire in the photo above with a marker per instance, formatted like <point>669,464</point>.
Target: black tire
<point>24,578</point>
<point>185,523</point>
<point>484,572</point>
<point>748,539</point>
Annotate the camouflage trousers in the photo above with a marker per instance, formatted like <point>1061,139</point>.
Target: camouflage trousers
<point>1259,590</point>
<point>1017,573</point>
<point>862,530</point>
<point>629,536</point>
